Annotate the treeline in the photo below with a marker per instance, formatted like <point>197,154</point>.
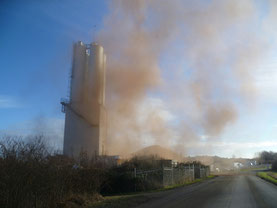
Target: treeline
<point>33,176</point>
<point>270,157</point>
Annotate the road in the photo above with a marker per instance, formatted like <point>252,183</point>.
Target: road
<point>224,191</point>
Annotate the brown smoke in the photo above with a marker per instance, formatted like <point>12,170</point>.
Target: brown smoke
<point>216,41</point>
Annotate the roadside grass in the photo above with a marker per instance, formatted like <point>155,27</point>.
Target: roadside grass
<point>123,201</point>
<point>273,175</point>
<point>133,199</point>
<point>184,184</point>
<point>268,176</point>
<point>254,169</point>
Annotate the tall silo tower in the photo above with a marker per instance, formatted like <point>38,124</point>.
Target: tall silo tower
<point>85,114</point>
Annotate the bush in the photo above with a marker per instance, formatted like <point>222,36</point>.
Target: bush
<point>31,177</point>
<point>121,179</point>
<point>274,165</point>
<point>118,180</point>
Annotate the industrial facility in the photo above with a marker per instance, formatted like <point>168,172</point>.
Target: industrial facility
<point>85,114</point>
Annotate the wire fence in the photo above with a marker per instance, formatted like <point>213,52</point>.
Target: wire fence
<point>167,176</point>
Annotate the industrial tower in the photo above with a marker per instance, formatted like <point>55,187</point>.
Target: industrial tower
<point>85,114</point>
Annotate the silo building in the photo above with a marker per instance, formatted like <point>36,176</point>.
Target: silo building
<point>85,114</point>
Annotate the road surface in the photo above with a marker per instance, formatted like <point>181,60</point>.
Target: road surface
<point>224,191</point>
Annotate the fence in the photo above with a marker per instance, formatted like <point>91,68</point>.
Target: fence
<point>167,176</point>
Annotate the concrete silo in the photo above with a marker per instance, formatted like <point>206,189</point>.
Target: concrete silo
<point>85,114</point>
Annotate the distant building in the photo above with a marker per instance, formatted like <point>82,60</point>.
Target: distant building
<point>85,113</point>
<point>238,165</point>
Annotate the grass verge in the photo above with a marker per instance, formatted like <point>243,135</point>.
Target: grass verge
<point>268,176</point>
<point>121,201</point>
<point>254,169</point>
<point>184,184</point>
<point>132,200</point>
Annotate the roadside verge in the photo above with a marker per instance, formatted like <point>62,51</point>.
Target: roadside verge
<point>268,176</point>
<point>131,200</point>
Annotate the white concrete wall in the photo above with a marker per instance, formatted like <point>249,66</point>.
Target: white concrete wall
<point>80,136</point>
<point>103,131</point>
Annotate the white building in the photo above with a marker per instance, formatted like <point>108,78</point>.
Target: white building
<point>85,114</point>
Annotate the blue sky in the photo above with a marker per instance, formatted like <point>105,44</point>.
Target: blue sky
<point>36,47</point>
<point>36,41</point>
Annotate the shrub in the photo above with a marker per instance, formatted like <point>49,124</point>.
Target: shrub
<point>31,177</point>
<point>274,165</point>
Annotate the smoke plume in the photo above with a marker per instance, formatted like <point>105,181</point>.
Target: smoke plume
<point>177,70</point>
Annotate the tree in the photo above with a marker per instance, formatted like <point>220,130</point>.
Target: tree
<point>267,157</point>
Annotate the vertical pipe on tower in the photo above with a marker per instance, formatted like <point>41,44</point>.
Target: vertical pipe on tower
<point>103,89</point>
<point>94,77</point>
<point>78,75</point>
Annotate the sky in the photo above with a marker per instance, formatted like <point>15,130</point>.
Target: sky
<point>36,50</point>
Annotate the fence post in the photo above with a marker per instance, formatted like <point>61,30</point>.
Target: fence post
<point>172,178</point>
<point>193,172</point>
<point>135,174</point>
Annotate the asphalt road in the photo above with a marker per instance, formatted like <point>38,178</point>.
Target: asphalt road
<point>224,191</point>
